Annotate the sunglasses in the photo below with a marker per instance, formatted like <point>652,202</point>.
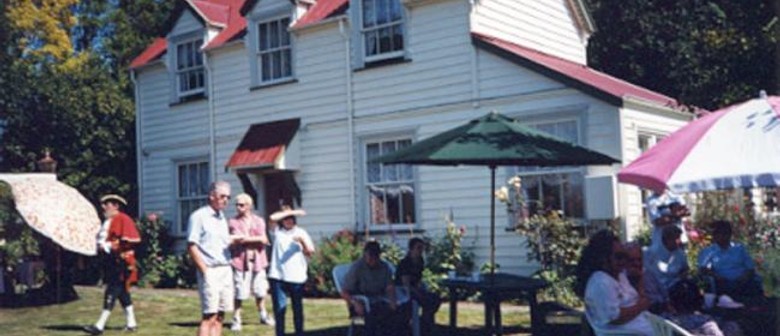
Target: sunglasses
<point>224,197</point>
<point>241,205</point>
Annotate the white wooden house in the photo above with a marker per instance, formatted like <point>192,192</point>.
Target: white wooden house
<point>287,100</point>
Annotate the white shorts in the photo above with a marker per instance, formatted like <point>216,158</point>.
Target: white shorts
<point>246,283</point>
<point>215,288</point>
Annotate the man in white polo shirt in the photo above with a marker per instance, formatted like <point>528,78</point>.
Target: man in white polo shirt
<point>208,245</point>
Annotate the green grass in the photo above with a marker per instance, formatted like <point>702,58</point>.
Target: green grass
<point>175,312</point>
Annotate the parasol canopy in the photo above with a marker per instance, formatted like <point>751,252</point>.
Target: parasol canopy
<point>495,140</point>
<point>735,147</point>
<point>55,210</point>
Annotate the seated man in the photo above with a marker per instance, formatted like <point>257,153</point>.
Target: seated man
<point>371,277</point>
<point>645,282</point>
<point>409,275</point>
<point>729,263</point>
<point>668,261</point>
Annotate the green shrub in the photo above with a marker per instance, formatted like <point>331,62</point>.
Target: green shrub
<point>158,265</point>
<point>341,248</point>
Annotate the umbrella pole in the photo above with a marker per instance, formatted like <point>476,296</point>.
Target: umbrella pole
<point>492,220</point>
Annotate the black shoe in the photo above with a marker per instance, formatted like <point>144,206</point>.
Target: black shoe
<point>131,329</point>
<point>93,330</point>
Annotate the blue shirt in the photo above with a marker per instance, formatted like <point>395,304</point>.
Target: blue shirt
<point>208,229</point>
<point>667,266</point>
<point>729,263</point>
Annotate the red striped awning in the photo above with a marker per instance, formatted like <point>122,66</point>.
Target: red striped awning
<point>264,145</point>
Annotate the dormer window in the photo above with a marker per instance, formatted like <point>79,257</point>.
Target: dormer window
<point>382,29</point>
<point>274,50</point>
<point>190,76</point>
<point>380,32</point>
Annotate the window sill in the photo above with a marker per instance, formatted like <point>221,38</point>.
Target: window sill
<point>274,83</point>
<point>384,62</point>
<point>189,99</point>
<point>396,230</point>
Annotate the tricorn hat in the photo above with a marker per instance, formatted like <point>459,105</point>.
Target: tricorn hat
<point>113,198</point>
<point>285,212</point>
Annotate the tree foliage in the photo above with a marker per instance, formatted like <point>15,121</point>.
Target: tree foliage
<point>64,86</point>
<point>704,53</point>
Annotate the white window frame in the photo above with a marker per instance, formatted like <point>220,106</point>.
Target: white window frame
<point>526,172</point>
<point>366,184</point>
<point>196,43</point>
<point>359,34</point>
<point>180,227</point>
<point>280,49</point>
<point>653,137</point>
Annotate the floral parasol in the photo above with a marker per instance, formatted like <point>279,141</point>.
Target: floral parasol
<point>55,210</point>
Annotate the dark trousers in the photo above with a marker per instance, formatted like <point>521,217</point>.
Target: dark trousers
<point>429,303</point>
<point>279,292</point>
<point>115,286</point>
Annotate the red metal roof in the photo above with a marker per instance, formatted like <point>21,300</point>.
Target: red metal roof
<point>152,52</point>
<point>227,14</point>
<point>214,13</point>
<point>322,10</point>
<point>222,13</point>
<point>263,144</point>
<point>583,76</point>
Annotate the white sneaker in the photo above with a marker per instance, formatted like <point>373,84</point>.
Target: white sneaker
<point>236,325</point>
<point>265,319</point>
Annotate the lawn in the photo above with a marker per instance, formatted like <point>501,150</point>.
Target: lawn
<point>174,312</point>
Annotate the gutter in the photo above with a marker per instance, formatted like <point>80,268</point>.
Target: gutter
<point>350,116</point>
<point>139,152</point>
<point>212,132</point>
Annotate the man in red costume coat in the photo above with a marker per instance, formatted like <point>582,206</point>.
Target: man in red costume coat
<point>117,240</point>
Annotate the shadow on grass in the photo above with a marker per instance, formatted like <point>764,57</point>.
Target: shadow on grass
<point>191,324</point>
<point>438,330</point>
<point>74,327</point>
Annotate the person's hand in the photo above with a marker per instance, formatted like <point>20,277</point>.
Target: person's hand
<point>393,305</point>
<point>644,303</point>
<point>359,309</point>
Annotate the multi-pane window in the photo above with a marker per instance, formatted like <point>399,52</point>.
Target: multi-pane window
<point>190,75</point>
<point>274,52</point>
<point>645,141</point>
<point>193,187</point>
<point>390,192</point>
<point>555,189</point>
<point>383,30</point>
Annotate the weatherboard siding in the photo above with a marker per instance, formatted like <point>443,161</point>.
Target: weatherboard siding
<point>544,25</point>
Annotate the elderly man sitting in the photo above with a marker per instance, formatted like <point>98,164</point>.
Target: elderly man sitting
<point>371,277</point>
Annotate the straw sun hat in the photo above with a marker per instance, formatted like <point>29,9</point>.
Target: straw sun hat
<point>285,212</point>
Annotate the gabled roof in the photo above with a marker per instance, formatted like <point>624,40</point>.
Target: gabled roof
<point>322,10</point>
<point>582,77</point>
<point>222,14</point>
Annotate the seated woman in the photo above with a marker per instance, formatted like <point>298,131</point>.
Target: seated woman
<point>611,303</point>
<point>729,263</point>
<point>686,299</point>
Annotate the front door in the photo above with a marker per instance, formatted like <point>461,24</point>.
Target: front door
<point>280,189</point>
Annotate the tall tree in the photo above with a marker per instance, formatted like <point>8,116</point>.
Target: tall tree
<point>704,53</point>
<point>65,86</point>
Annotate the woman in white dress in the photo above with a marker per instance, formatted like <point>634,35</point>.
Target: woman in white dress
<point>611,304</point>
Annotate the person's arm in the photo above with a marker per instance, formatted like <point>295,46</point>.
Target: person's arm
<point>194,253</point>
<point>629,313</point>
<point>390,291</point>
<point>306,244</point>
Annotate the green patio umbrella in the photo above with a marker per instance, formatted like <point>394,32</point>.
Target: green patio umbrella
<point>495,140</point>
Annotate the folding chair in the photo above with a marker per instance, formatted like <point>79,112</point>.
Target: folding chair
<point>402,296</point>
<point>664,327</point>
<point>339,273</point>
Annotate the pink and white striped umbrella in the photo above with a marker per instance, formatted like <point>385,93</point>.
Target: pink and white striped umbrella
<point>735,147</point>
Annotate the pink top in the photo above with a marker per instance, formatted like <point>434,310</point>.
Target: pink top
<point>248,257</point>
